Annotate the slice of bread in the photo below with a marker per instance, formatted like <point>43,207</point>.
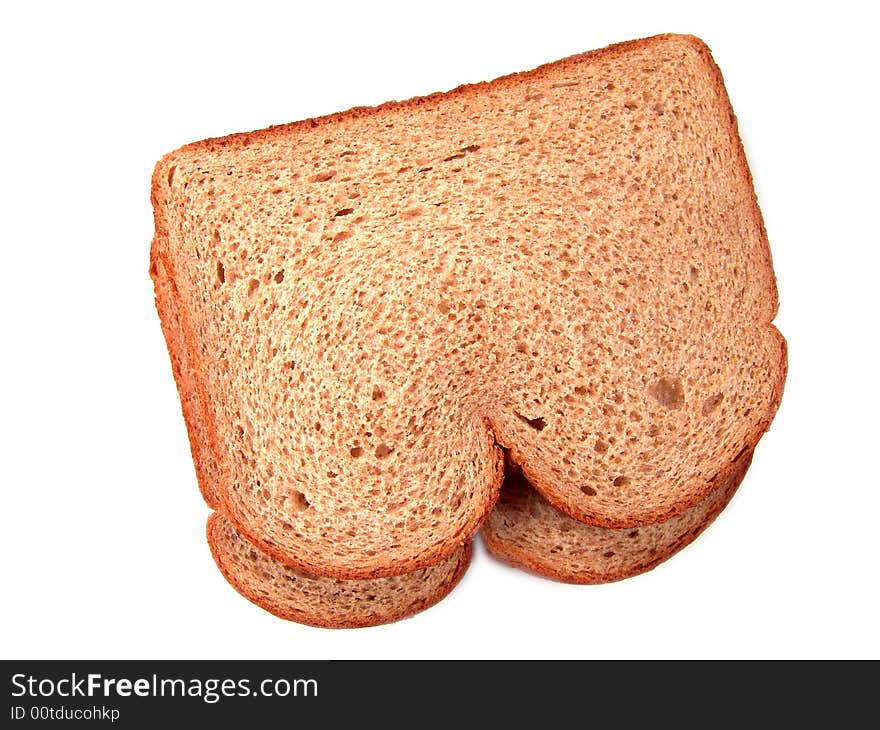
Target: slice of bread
<point>328,602</point>
<point>524,530</point>
<point>569,263</point>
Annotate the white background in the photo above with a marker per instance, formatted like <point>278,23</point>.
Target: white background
<point>103,543</point>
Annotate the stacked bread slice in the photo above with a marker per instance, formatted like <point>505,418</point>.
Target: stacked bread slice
<point>561,275</point>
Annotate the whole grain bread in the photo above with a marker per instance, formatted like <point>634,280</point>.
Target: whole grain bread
<point>524,530</point>
<point>568,263</point>
<point>328,602</point>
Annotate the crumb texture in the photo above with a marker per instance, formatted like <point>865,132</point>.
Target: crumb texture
<point>567,263</point>
<point>327,602</point>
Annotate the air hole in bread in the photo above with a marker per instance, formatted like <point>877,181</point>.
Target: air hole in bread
<point>221,272</point>
<point>296,502</point>
<point>588,490</point>
<point>633,534</point>
<point>383,450</point>
<point>279,277</point>
<point>411,213</point>
<point>253,285</point>
<point>600,446</point>
<point>356,451</point>
<point>378,393</point>
<point>609,554</point>
<point>171,172</point>
<point>323,176</point>
<point>668,392</point>
<point>712,402</point>
<point>539,424</point>
<point>621,481</point>
<point>344,211</point>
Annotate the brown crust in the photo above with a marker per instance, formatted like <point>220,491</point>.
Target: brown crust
<point>168,309</point>
<point>247,138</point>
<point>312,619</point>
<point>696,491</point>
<point>589,575</point>
<point>208,428</point>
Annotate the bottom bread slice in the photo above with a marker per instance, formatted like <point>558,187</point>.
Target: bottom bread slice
<point>526,531</point>
<point>327,602</point>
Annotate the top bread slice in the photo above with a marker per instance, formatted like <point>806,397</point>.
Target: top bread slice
<point>568,263</point>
